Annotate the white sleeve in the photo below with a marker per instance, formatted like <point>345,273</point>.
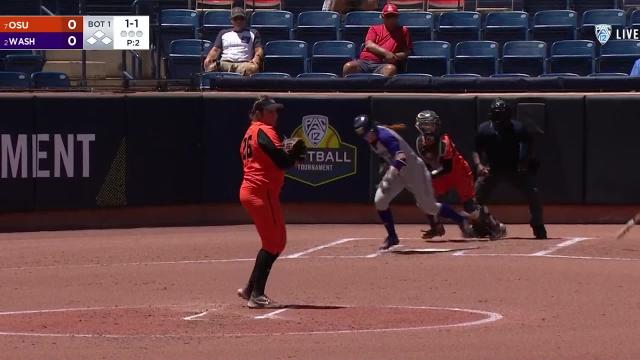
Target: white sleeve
<point>327,5</point>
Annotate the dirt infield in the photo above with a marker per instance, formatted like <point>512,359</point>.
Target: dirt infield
<point>169,293</point>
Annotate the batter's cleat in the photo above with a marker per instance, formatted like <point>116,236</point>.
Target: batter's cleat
<point>435,231</point>
<point>259,302</point>
<point>244,294</point>
<point>499,232</point>
<point>539,231</point>
<point>389,242</point>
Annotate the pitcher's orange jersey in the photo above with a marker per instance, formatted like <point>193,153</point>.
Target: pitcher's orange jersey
<point>259,169</point>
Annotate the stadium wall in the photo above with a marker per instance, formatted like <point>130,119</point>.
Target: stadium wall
<point>120,153</point>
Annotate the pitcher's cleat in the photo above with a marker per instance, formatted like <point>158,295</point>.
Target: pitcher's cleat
<point>436,231</point>
<point>260,302</point>
<point>499,232</point>
<point>389,242</point>
<point>244,294</point>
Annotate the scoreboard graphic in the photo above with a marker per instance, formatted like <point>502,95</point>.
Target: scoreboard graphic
<point>74,33</point>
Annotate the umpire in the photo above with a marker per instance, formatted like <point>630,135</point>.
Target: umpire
<point>504,153</point>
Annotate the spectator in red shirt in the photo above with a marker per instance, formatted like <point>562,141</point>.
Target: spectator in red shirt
<point>386,46</point>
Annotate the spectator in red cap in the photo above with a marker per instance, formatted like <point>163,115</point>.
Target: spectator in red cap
<point>386,46</point>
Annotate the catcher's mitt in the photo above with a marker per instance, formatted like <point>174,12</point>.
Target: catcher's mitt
<point>296,148</point>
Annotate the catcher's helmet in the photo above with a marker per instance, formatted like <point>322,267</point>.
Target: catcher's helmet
<point>428,122</point>
<point>362,125</point>
<point>499,111</point>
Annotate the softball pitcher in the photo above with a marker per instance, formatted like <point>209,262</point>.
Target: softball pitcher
<point>406,171</point>
<point>264,160</point>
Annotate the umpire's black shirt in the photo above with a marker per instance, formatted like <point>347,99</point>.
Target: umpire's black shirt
<point>502,146</point>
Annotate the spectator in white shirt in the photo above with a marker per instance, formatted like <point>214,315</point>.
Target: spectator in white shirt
<point>239,48</point>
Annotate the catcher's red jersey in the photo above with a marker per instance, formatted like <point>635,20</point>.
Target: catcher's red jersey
<point>259,168</point>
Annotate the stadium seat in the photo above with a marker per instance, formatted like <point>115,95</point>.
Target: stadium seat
<point>458,26</point>
<point>591,18</point>
<point>413,76</point>
<point>419,23</point>
<point>270,75</point>
<point>554,25</point>
<point>213,22</point>
<point>330,56</point>
<point>205,79</point>
<point>630,4</point>
<point>22,61</point>
<point>263,4</point>
<point>477,57</point>
<point>618,56</point>
<point>272,25</point>
<point>13,80</point>
<point>364,76</point>
<point>215,4</point>
<point>634,19</point>
<point>49,80</point>
<point>572,56</point>
<point>186,57</point>
<point>547,75</point>
<point>461,76</point>
<point>525,57</point>
<point>356,25</point>
<point>314,26</point>
<point>317,76</point>
<point>506,26</point>
<point>429,57</point>
<point>176,24</point>
<point>510,75</point>
<point>286,56</point>
<point>608,75</point>
<point>582,6</point>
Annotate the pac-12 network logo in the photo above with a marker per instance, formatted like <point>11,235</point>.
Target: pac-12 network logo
<point>603,33</point>
<point>328,158</point>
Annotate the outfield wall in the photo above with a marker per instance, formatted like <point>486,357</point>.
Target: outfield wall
<point>88,151</point>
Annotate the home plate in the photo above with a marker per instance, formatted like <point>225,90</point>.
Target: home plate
<point>408,251</point>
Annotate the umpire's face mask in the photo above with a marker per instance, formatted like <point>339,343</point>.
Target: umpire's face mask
<point>501,119</point>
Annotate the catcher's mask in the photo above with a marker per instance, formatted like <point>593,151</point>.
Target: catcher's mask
<point>428,123</point>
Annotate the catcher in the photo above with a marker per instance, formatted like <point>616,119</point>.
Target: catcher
<point>264,158</point>
<point>450,171</point>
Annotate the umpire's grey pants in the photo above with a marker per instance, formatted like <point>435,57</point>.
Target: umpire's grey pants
<point>414,177</point>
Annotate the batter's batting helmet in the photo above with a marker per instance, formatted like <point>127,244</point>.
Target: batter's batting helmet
<point>427,122</point>
<point>362,125</point>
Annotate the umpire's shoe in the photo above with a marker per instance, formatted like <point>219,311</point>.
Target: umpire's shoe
<point>389,242</point>
<point>539,231</point>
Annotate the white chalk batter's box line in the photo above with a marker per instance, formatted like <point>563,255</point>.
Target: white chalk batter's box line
<point>489,317</point>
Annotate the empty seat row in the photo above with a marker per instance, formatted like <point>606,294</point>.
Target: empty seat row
<point>37,80</point>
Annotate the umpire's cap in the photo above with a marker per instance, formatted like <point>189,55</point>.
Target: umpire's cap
<point>499,110</point>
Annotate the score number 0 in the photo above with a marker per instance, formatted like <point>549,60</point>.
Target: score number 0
<point>72,25</point>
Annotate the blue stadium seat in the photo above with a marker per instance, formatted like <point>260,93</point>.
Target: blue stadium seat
<point>356,25</point>
<point>186,57</point>
<point>316,26</point>
<point>364,76</point>
<point>547,75</point>
<point>458,26</point>
<point>49,80</point>
<point>572,56</point>
<point>317,76</point>
<point>286,56</point>
<point>477,57</point>
<point>13,80</point>
<point>591,18</point>
<point>413,76</point>
<point>330,56</point>
<point>176,24</point>
<point>634,19</point>
<point>213,22</point>
<point>461,76</point>
<point>429,57</point>
<point>21,61</point>
<point>205,79</point>
<point>608,75</point>
<point>272,24</point>
<point>270,75</point>
<point>419,23</point>
<point>618,56</point>
<point>554,25</point>
<point>525,57</point>
<point>506,26</point>
<point>510,75</point>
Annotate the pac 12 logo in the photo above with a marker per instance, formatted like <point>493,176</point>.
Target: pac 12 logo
<point>328,158</point>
